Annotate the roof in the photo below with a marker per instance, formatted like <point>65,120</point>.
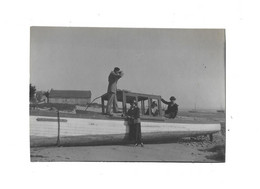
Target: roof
<point>131,95</point>
<point>69,94</point>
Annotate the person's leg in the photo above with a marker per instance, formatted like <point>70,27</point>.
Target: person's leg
<point>109,103</point>
<point>140,135</point>
<point>131,131</point>
<point>115,106</point>
<point>136,134</point>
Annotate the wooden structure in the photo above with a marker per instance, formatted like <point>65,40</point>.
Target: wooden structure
<point>144,103</point>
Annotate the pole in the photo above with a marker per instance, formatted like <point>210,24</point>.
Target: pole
<point>211,137</point>
<point>58,138</point>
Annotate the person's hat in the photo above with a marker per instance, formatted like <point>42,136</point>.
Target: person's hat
<point>154,102</point>
<point>116,69</point>
<point>172,98</point>
<point>133,102</point>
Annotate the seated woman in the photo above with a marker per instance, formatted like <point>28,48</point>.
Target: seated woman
<point>154,109</point>
<point>172,108</point>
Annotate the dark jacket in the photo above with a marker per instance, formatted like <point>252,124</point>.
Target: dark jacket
<point>134,114</point>
<point>171,109</point>
<point>112,82</point>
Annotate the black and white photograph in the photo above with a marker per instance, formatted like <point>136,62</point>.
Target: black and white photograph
<point>127,94</point>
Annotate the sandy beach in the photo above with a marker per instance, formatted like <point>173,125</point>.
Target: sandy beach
<point>170,152</point>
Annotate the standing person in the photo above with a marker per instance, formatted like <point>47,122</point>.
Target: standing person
<point>172,108</point>
<point>134,115</point>
<point>130,121</point>
<point>113,77</point>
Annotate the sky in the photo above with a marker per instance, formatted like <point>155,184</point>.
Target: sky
<point>185,63</point>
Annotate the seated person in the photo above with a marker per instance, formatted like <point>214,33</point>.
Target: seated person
<point>154,109</point>
<point>172,108</point>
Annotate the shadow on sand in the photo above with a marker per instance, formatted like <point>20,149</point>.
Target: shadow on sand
<point>218,153</point>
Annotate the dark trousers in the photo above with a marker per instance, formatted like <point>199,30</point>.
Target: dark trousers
<point>138,133</point>
<point>170,114</point>
<point>132,130</point>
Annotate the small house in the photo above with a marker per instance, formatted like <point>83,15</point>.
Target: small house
<point>70,97</point>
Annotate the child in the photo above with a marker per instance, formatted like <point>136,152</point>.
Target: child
<point>135,122</point>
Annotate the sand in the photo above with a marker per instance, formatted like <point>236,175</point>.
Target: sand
<point>199,149</point>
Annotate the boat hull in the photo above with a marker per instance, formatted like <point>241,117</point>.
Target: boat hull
<point>44,131</point>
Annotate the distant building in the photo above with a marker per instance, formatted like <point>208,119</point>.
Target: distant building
<point>70,97</point>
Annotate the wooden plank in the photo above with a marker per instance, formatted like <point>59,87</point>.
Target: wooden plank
<point>160,106</point>
<point>58,137</point>
<point>142,107</point>
<point>124,103</point>
<point>149,106</point>
<point>51,119</point>
<point>142,95</point>
<point>152,118</point>
<point>103,105</point>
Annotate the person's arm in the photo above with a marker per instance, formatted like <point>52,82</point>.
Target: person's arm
<point>165,102</point>
<point>119,75</point>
